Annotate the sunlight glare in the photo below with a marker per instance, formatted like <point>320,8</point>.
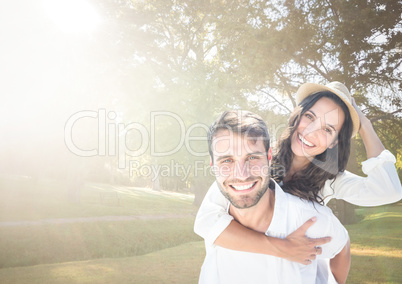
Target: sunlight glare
<point>73,16</point>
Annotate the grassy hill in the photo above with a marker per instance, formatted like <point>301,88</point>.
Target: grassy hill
<point>114,234</point>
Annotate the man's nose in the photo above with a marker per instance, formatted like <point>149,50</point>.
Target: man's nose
<point>242,170</point>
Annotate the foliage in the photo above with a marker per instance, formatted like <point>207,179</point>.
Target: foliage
<point>192,60</point>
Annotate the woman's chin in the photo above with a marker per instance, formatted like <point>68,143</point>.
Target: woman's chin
<point>301,152</point>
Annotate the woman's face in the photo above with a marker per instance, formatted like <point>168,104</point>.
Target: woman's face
<point>318,129</point>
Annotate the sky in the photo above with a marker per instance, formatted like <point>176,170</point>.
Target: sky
<point>46,74</point>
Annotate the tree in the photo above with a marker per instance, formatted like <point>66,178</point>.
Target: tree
<point>197,58</point>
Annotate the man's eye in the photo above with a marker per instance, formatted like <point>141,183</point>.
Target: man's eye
<point>227,161</point>
<point>253,157</point>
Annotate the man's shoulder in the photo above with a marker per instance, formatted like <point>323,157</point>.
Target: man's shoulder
<point>299,204</point>
<point>326,225</point>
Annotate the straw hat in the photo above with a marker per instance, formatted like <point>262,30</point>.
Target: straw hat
<point>338,89</point>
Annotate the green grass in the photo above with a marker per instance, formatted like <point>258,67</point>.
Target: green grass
<point>145,251</point>
<point>24,199</point>
<point>179,265</point>
<point>27,200</point>
<point>33,245</point>
<point>376,245</point>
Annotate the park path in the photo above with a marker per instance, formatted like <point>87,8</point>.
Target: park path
<point>93,219</point>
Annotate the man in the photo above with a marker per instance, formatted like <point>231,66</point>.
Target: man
<point>240,155</point>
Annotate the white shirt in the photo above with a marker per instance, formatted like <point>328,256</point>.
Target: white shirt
<point>228,266</point>
<point>381,186</point>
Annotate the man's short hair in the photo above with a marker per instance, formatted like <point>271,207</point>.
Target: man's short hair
<point>241,122</point>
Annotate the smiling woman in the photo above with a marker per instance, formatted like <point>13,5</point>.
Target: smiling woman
<point>73,16</point>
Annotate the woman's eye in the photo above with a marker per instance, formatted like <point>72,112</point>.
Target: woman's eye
<point>309,116</point>
<point>328,130</point>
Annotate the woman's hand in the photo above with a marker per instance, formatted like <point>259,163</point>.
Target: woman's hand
<point>370,139</point>
<point>363,119</point>
<point>298,247</point>
<point>295,247</point>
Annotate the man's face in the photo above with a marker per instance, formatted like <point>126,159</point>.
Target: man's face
<point>241,168</point>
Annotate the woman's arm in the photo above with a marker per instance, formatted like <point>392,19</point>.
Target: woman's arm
<point>212,216</point>
<point>295,247</point>
<point>382,184</point>
<point>340,264</point>
<point>215,225</point>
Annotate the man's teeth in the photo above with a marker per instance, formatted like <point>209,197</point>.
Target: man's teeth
<point>305,141</point>
<point>243,187</point>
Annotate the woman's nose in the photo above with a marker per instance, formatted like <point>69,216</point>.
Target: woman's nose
<point>313,127</point>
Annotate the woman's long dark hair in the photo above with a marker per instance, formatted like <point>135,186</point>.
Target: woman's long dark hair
<point>308,182</point>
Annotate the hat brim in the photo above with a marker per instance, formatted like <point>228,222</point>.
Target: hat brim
<point>308,89</point>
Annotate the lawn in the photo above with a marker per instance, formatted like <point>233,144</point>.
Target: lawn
<point>179,264</point>
<point>377,245</point>
<point>60,243</point>
<point>23,199</point>
<point>39,224</point>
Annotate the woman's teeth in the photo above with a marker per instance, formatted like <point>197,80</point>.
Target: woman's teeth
<point>305,141</point>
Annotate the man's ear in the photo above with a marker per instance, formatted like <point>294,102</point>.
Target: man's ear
<point>213,169</point>
<point>269,156</point>
<point>333,144</point>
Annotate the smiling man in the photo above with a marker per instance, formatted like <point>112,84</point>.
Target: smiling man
<point>240,153</point>
<point>242,182</point>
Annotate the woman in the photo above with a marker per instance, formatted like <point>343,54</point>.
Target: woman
<point>310,162</point>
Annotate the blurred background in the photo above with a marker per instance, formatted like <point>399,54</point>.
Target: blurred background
<point>122,92</point>
<point>141,80</point>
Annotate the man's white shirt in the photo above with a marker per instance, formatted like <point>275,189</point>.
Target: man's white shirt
<point>290,212</point>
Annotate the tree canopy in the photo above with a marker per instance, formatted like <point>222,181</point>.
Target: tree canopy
<point>172,65</point>
<point>207,56</point>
